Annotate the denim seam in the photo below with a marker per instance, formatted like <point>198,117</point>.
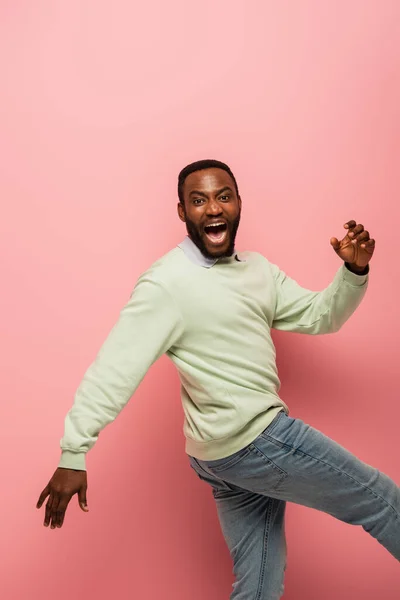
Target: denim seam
<point>231,463</point>
<point>281,444</point>
<point>199,466</point>
<point>249,448</point>
<point>265,550</point>
<point>275,466</point>
<point>271,427</point>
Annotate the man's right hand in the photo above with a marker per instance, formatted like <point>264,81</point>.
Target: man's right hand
<point>60,489</point>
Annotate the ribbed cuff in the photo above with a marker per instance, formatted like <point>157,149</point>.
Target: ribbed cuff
<point>73,460</point>
<point>354,278</point>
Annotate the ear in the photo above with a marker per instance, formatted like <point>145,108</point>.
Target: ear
<point>240,202</point>
<point>181,212</point>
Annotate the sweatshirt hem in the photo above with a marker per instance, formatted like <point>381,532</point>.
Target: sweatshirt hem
<point>215,449</point>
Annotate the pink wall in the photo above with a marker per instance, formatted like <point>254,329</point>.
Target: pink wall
<point>102,104</point>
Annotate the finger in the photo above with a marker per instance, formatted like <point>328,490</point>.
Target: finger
<point>361,237</point>
<point>82,499</point>
<point>43,496</point>
<point>350,224</point>
<point>335,243</point>
<point>53,512</point>
<point>62,507</point>
<point>356,230</point>
<point>47,515</point>
<point>368,244</point>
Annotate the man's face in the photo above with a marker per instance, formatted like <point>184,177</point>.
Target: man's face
<point>210,198</point>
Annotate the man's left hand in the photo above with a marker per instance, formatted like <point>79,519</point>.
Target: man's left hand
<point>356,248</point>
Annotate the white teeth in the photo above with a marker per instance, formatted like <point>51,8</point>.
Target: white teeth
<point>215,224</point>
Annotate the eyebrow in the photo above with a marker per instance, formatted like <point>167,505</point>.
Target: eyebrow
<point>226,187</point>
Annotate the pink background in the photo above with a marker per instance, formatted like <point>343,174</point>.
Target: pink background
<point>102,104</point>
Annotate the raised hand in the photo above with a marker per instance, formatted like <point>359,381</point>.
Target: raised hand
<point>356,248</point>
<point>60,489</point>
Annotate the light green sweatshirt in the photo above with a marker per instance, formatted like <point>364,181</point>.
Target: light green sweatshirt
<point>214,324</point>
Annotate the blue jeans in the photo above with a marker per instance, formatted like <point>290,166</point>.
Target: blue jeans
<point>292,461</point>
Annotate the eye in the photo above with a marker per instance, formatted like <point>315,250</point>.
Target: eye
<point>197,200</point>
<point>227,196</point>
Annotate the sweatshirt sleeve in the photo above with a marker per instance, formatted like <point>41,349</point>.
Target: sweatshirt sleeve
<point>304,311</point>
<point>148,325</point>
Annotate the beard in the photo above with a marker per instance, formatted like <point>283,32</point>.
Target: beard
<point>197,237</point>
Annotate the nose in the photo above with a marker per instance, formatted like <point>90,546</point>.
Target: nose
<point>213,208</point>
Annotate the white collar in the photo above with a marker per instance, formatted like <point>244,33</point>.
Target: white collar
<point>196,256</point>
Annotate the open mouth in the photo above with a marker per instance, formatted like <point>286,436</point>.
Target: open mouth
<point>216,234</point>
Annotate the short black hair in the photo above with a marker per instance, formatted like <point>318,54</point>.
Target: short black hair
<point>207,163</point>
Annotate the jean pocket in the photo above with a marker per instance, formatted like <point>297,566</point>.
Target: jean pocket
<point>250,469</point>
<point>221,464</point>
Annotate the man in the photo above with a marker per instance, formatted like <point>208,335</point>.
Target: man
<point>210,309</point>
